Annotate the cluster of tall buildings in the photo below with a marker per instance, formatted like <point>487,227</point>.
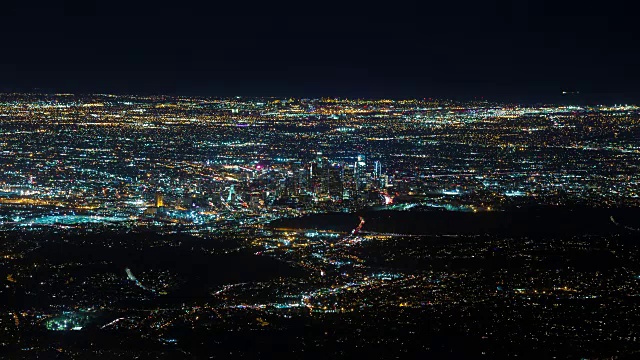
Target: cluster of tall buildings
<point>318,184</point>
<point>326,180</point>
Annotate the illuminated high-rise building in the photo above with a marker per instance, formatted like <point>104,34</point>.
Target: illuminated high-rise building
<point>318,172</point>
<point>159,199</point>
<point>377,169</point>
<point>232,193</point>
<point>349,181</point>
<point>359,170</point>
<point>303,180</point>
<point>334,181</point>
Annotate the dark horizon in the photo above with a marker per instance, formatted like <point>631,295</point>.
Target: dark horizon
<point>528,52</point>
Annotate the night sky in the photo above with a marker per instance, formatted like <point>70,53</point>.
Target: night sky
<point>528,51</point>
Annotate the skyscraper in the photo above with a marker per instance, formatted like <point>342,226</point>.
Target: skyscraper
<point>159,199</point>
<point>334,181</point>
<point>359,169</point>
<point>318,175</point>
<point>232,193</point>
<point>377,169</point>
<point>349,181</point>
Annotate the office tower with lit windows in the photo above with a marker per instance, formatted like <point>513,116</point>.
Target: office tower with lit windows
<point>377,169</point>
<point>159,199</point>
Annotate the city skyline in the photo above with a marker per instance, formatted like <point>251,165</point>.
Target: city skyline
<point>184,180</point>
<point>268,158</point>
<point>144,226</point>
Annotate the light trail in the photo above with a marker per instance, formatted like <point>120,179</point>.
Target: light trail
<point>133,278</point>
<point>112,323</point>
<point>359,227</point>
<point>624,226</point>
